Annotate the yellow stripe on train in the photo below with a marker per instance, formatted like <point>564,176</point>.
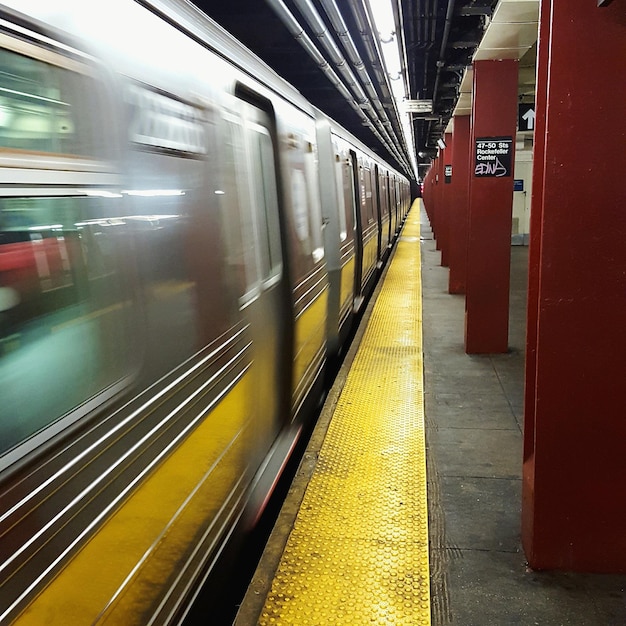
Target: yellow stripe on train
<point>118,577</point>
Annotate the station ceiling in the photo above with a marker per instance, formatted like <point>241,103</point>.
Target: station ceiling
<point>328,51</point>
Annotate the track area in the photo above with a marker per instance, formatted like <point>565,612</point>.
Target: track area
<point>357,552</point>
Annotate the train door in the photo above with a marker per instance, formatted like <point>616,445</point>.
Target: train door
<point>251,136</point>
<point>366,231</point>
<point>393,206</point>
<point>389,207</point>
<point>379,217</point>
<point>398,204</point>
<point>347,216</point>
<point>384,236</point>
<point>370,227</point>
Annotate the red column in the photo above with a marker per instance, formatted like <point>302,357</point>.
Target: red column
<point>575,427</point>
<point>438,215</point>
<point>428,194</point>
<point>494,114</point>
<point>459,204</point>
<point>446,199</point>
<point>432,196</point>
<point>536,218</point>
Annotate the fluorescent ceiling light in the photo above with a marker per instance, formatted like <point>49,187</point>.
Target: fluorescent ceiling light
<point>382,12</point>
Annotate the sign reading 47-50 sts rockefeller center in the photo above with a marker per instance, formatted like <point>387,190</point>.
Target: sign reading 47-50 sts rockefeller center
<point>493,156</point>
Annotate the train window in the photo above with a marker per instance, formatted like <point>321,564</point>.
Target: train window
<point>46,108</point>
<point>315,211</point>
<point>240,200</point>
<point>349,193</point>
<point>250,175</point>
<point>238,233</point>
<point>339,189</point>
<point>307,214</point>
<point>299,203</point>
<point>65,313</point>
<point>369,204</point>
<point>266,194</point>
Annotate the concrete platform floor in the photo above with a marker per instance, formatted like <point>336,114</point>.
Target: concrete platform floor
<point>474,421</point>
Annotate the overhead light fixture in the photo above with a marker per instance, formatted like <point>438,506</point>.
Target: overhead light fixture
<point>441,143</point>
<point>383,17</point>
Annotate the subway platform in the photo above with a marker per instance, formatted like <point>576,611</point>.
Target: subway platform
<point>473,571</point>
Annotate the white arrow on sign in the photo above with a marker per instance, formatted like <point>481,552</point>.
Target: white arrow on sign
<point>529,116</point>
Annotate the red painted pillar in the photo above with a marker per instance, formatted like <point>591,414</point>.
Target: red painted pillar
<point>432,175</point>
<point>433,172</point>
<point>459,204</point>
<point>438,221</point>
<point>574,474</point>
<point>446,199</point>
<point>428,193</point>
<point>494,114</point>
<point>536,218</point>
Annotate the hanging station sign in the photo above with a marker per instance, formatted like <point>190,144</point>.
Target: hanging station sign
<point>493,157</point>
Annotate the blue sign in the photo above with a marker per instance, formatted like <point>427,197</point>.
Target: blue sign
<point>518,184</point>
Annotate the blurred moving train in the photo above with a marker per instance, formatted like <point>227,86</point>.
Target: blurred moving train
<point>184,242</point>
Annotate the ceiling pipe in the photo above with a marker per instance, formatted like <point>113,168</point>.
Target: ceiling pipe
<point>444,43</point>
<point>319,29</point>
<point>301,36</point>
<point>441,61</point>
<point>365,24</point>
<point>374,56</point>
<point>415,21</point>
<point>342,32</point>
<point>297,31</point>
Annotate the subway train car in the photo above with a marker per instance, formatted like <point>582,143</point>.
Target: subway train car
<point>174,277</point>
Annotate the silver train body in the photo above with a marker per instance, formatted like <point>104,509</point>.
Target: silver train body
<point>184,241</point>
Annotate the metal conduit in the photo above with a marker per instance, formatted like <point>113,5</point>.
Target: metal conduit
<point>295,29</point>
<point>315,21</point>
<point>370,47</point>
<point>441,59</point>
<point>318,27</point>
<point>444,43</point>
<point>364,23</point>
<point>420,17</point>
<point>433,22</point>
<point>341,31</point>
<point>300,35</point>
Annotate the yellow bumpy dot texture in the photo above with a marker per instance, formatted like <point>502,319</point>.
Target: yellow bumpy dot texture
<point>358,552</point>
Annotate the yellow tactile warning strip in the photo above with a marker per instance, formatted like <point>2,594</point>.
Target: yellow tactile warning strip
<point>358,552</point>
